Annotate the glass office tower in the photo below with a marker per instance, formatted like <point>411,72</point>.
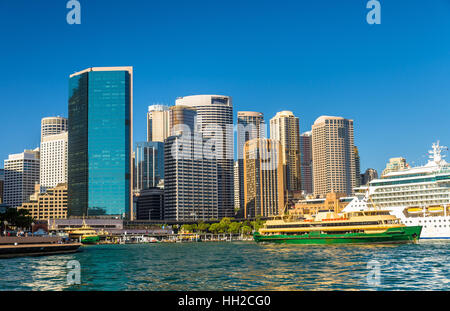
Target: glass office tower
<point>100,142</point>
<point>149,163</point>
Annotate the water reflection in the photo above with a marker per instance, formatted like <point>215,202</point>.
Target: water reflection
<point>235,266</point>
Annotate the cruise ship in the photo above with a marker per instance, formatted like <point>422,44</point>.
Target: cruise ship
<point>419,196</point>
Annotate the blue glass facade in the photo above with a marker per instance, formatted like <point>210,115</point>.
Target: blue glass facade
<point>99,143</point>
<point>149,163</point>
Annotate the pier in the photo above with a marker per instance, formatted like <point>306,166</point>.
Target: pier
<point>11,247</point>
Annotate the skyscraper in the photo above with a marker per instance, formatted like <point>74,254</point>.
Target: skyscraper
<point>190,184</point>
<point>158,123</point>
<point>149,163</point>
<point>182,118</point>
<point>215,123</point>
<point>333,156</point>
<point>263,178</point>
<point>284,127</point>
<point>237,200</point>
<point>53,125</point>
<point>250,126</point>
<point>306,162</point>
<point>21,175</point>
<point>100,142</point>
<point>53,169</point>
<point>2,184</point>
<point>357,167</point>
<point>368,176</point>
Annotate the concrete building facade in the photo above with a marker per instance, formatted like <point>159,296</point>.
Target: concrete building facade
<point>191,181</point>
<point>251,125</point>
<point>333,156</point>
<point>49,205</point>
<point>54,157</point>
<point>215,123</point>
<point>264,189</point>
<point>21,176</point>
<point>306,162</point>
<point>158,123</point>
<point>284,127</point>
<point>53,126</point>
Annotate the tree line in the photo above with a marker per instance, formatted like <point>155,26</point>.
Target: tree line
<point>226,225</point>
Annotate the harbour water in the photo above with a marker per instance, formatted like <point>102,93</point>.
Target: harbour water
<point>237,266</point>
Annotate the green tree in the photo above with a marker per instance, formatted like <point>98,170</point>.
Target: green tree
<point>246,229</point>
<point>224,224</point>
<point>187,228</point>
<point>235,227</point>
<point>214,228</point>
<point>202,227</point>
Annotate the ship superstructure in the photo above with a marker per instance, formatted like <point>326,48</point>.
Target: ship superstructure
<point>419,196</point>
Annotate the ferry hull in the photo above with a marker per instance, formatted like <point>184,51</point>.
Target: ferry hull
<point>390,236</point>
<point>90,240</point>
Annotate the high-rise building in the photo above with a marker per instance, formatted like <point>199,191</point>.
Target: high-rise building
<point>237,201</point>
<point>368,176</point>
<point>49,205</point>
<point>357,167</point>
<point>53,169</point>
<point>190,183</point>
<point>53,126</point>
<point>149,163</point>
<point>284,127</point>
<point>333,156</point>
<point>395,165</point>
<point>215,123</point>
<point>306,162</point>
<point>2,184</point>
<point>251,125</point>
<point>264,188</point>
<point>182,118</point>
<point>100,142</point>
<point>158,123</point>
<point>21,175</point>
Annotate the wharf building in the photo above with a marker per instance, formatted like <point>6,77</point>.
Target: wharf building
<point>101,142</point>
<point>264,188</point>
<point>215,124</point>
<point>331,202</point>
<point>21,175</point>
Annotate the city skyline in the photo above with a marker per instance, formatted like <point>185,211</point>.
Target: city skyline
<point>389,78</point>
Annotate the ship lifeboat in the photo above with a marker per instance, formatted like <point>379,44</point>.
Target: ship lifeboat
<point>415,210</point>
<point>435,209</point>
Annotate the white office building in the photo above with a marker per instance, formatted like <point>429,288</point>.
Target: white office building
<point>53,169</point>
<point>21,175</point>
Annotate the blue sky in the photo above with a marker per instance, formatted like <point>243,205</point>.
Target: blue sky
<point>312,57</point>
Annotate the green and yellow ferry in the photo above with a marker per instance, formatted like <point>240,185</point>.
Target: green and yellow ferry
<point>85,234</point>
<point>328,227</point>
